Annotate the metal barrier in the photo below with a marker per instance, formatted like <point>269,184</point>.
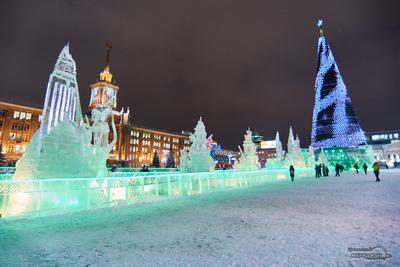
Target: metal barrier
<point>55,196</point>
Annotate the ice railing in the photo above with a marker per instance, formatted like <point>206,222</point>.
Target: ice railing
<point>55,196</point>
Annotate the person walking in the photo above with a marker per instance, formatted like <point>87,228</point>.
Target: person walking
<point>291,171</point>
<point>326,170</point>
<point>375,167</point>
<point>356,167</point>
<point>365,167</point>
<point>337,169</point>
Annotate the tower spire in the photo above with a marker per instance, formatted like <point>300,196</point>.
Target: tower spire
<point>107,64</point>
<point>320,25</point>
<point>105,75</point>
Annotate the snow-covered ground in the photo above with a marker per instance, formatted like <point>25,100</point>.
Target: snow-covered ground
<point>306,223</point>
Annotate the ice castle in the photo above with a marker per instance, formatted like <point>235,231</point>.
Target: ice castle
<point>62,147</point>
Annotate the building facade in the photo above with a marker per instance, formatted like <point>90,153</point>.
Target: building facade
<point>18,123</point>
<point>386,146</point>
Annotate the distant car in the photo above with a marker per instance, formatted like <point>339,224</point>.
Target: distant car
<point>396,164</point>
<point>383,165</point>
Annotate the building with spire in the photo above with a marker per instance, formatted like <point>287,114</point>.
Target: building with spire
<point>105,90</point>
<point>334,124</point>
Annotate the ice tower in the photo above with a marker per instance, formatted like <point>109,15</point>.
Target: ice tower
<point>294,155</point>
<point>62,97</point>
<point>335,124</point>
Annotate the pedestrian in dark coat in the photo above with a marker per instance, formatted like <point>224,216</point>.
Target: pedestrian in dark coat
<point>291,171</point>
<point>365,167</point>
<point>337,169</point>
<point>356,167</point>
<point>316,171</point>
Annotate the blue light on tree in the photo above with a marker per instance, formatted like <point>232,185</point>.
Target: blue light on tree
<point>334,121</point>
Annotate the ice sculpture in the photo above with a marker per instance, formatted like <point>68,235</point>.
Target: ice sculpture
<point>279,150</point>
<point>184,160</point>
<point>294,156</point>
<point>62,145</point>
<point>248,160</point>
<point>322,159</point>
<point>276,162</point>
<point>311,157</point>
<point>198,158</point>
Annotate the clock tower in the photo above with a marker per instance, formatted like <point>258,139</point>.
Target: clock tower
<point>104,91</point>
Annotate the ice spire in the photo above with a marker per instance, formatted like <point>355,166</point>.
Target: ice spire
<point>279,150</point>
<point>62,96</point>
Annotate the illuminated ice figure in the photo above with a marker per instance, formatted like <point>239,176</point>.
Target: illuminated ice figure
<point>62,146</point>
<point>277,162</point>
<point>248,160</point>
<point>62,97</point>
<point>279,150</point>
<point>184,160</point>
<point>294,156</point>
<point>311,157</point>
<point>199,158</point>
<point>335,124</point>
<point>322,158</point>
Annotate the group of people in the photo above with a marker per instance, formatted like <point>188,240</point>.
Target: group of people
<point>322,169</point>
<point>375,169</point>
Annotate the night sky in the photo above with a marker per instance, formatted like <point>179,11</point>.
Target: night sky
<point>239,64</point>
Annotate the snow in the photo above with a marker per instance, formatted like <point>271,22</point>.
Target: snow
<point>310,222</point>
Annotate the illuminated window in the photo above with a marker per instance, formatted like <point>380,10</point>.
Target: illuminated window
<point>175,140</point>
<point>22,115</point>
<point>10,148</point>
<point>16,114</point>
<point>28,116</point>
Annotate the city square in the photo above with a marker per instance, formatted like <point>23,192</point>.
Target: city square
<point>211,152</point>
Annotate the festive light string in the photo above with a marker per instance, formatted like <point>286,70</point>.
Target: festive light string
<point>345,133</point>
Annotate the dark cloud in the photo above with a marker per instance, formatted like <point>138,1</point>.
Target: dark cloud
<point>236,63</point>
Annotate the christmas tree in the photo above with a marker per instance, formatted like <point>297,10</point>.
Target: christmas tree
<point>335,124</point>
<point>156,160</point>
<point>170,160</point>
